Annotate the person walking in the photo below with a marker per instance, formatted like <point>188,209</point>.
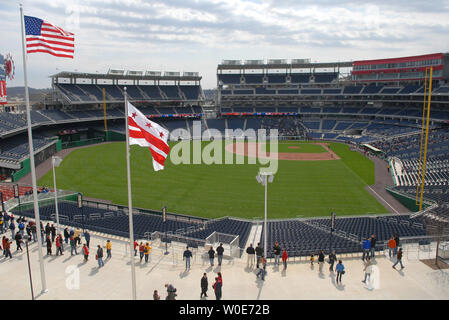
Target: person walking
<point>399,259</point>
<point>391,246</point>
<point>220,278</point>
<point>259,253</point>
<point>156,295</point>
<point>1,223</point>
<point>367,269</point>
<point>220,251</point>
<point>373,241</point>
<point>34,231</point>
<point>100,256</point>
<point>211,253</point>
<point>171,292</point>
<point>251,254</point>
<point>217,288</point>
<point>321,261</point>
<point>332,259</point>
<point>262,266</point>
<point>59,245</point>
<point>42,233</point>
<point>366,248</point>
<point>147,252</point>
<point>72,246</point>
<point>276,252</point>
<point>47,230</point>
<point>28,231</point>
<point>85,252</point>
<point>4,245</point>
<point>204,285</point>
<point>7,247</point>
<point>284,258</point>
<point>6,219</point>
<point>18,239</point>
<point>141,251</point>
<point>186,256</point>
<point>86,235</point>
<point>108,249</point>
<point>21,227</point>
<point>48,241</point>
<point>340,268</point>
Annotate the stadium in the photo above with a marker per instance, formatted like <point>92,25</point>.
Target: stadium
<point>349,154</point>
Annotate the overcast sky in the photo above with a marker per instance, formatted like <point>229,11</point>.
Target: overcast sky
<point>196,35</point>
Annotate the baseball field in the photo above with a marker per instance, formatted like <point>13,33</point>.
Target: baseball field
<point>302,186</point>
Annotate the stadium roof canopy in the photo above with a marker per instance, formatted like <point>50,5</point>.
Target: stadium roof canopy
<point>149,75</point>
<point>280,64</point>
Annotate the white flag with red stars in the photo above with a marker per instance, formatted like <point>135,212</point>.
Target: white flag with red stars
<point>146,133</point>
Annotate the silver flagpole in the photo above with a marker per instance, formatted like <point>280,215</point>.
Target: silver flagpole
<point>33,169</point>
<point>130,204</point>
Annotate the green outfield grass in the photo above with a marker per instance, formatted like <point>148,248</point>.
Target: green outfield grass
<point>307,188</point>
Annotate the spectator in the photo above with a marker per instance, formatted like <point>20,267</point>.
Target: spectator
<point>321,260</point>
<point>28,231</point>
<point>204,285</point>
<point>85,252</point>
<point>47,230</point>
<point>1,223</point>
<point>100,256</point>
<point>312,259</point>
<point>59,245</point>
<point>72,245</point>
<point>217,288</point>
<point>6,219</point>
<point>262,266</point>
<point>21,228</point>
<point>147,252</point>
<point>34,231</point>
<point>66,235</point>
<point>141,251</point>
<point>211,253</point>
<point>77,236</point>
<point>340,268</point>
<point>156,295</point>
<point>7,247</point>
<point>12,227</point>
<point>108,249</point>
<point>284,258</point>
<point>48,242</point>
<point>277,252</point>
<point>136,246</point>
<point>187,255</point>
<point>368,269</point>
<point>86,235</point>
<point>18,239</point>
<point>391,246</point>
<point>4,245</point>
<point>259,253</point>
<point>366,248</point>
<point>53,232</point>
<point>396,239</point>
<point>171,292</point>
<point>220,251</point>
<point>399,259</point>
<point>373,245</point>
<point>251,253</point>
<point>332,259</point>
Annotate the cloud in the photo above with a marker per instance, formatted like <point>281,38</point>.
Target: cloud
<point>197,34</point>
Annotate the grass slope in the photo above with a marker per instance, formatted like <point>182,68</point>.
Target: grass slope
<point>307,188</point>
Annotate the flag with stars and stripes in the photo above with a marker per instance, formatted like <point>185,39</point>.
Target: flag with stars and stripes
<point>146,133</point>
<point>42,36</point>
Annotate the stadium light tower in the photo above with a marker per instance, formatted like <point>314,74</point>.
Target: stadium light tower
<point>264,178</point>
<point>56,162</point>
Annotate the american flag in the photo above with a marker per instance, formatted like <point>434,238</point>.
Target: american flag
<point>42,36</point>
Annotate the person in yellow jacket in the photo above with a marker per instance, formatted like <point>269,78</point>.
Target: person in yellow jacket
<point>147,251</point>
<point>108,249</point>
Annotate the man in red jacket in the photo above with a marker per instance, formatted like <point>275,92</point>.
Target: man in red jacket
<point>284,258</point>
<point>59,245</point>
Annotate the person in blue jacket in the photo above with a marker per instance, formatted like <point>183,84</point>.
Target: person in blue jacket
<point>366,248</point>
<point>340,268</point>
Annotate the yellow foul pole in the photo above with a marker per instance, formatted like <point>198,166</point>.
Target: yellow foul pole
<point>422,137</point>
<point>427,138</point>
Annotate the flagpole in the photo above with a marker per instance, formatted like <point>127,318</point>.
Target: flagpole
<point>33,169</point>
<point>130,203</point>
